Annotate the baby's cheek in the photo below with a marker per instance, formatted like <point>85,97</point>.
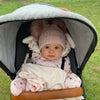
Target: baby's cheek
<point>44,54</point>
<point>58,54</point>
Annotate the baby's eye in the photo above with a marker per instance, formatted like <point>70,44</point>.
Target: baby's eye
<point>47,47</point>
<point>56,47</point>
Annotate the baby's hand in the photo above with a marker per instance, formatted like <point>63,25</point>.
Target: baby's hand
<point>72,81</point>
<point>35,85</point>
<point>18,86</point>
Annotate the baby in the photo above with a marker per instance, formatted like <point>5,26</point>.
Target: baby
<point>52,45</point>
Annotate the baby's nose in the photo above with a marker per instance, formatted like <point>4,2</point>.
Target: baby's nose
<point>51,51</point>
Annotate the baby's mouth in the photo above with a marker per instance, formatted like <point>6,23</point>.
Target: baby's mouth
<point>51,56</point>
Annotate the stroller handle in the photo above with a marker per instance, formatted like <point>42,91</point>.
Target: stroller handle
<point>49,94</point>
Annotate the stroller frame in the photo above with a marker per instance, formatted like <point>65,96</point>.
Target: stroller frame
<point>73,21</point>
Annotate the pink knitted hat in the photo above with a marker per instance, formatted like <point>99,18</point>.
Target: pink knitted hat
<point>52,34</point>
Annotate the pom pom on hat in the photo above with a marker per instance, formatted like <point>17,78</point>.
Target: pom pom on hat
<point>52,34</point>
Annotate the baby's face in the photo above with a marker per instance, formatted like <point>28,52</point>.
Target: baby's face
<point>51,51</point>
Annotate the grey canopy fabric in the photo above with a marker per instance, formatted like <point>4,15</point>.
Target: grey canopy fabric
<point>80,28</point>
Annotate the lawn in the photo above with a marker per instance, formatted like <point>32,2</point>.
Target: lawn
<point>91,73</point>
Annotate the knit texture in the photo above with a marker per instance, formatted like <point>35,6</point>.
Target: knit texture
<point>52,34</point>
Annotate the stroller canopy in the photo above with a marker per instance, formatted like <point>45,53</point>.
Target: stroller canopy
<point>80,28</point>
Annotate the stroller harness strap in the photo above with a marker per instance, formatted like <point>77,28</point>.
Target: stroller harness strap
<point>63,62</point>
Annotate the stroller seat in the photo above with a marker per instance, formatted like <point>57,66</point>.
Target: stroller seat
<point>21,50</point>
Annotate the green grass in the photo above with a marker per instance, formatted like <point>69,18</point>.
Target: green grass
<point>4,86</point>
<point>8,7</point>
<point>91,73</point>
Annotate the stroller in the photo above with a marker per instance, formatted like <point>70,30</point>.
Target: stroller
<point>14,28</point>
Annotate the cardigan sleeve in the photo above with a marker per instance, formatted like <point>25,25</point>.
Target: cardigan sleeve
<point>72,80</point>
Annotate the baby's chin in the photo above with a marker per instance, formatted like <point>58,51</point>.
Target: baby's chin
<point>52,58</point>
